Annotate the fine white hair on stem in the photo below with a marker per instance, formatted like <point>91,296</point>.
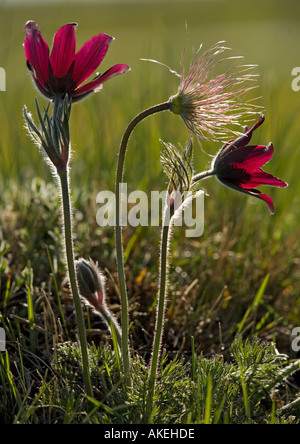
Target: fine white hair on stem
<point>163,293</point>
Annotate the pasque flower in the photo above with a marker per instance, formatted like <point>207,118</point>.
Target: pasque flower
<point>63,71</point>
<point>210,103</point>
<point>238,166</point>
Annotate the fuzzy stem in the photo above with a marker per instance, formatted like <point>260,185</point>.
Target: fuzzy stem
<point>203,175</point>
<point>161,308</point>
<point>118,232</point>
<point>289,370</point>
<point>160,316</point>
<point>67,216</point>
<point>109,318</point>
<point>291,408</point>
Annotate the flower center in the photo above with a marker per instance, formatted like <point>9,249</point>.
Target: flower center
<point>235,174</point>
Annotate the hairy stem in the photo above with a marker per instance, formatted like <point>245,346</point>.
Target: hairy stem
<point>160,315</point>
<point>67,217</point>
<point>162,297</point>
<point>203,175</point>
<point>118,232</point>
<point>110,319</point>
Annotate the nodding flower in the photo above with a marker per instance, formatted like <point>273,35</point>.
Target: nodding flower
<point>63,71</point>
<point>238,166</point>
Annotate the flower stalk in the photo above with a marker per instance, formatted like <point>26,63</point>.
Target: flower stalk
<point>53,137</point>
<point>178,166</point>
<point>161,309</point>
<point>67,218</point>
<point>118,232</point>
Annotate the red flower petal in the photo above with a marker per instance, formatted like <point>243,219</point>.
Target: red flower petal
<point>251,192</point>
<point>114,71</point>
<point>262,178</point>
<point>238,166</point>
<point>249,158</point>
<point>43,90</point>
<point>89,57</point>
<point>63,52</point>
<point>241,141</point>
<point>263,197</point>
<point>252,158</point>
<point>99,80</point>
<point>36,52</point>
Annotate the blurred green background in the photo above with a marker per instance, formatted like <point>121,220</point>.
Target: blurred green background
<point>266,32</point>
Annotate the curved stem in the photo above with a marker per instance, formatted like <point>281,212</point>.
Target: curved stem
<point>118,232</point>
<point>203,175</point>
<point>67,216</point>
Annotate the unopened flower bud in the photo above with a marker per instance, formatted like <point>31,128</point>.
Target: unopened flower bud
<point>91,283</point>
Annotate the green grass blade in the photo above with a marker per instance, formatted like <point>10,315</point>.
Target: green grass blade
<point>29,287</point>
<point>208,400</point>
<point>256,302</point>
<point>57,294</point>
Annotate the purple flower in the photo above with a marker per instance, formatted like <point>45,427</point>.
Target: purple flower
<point>238,166</point>
<point>64,70</point>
